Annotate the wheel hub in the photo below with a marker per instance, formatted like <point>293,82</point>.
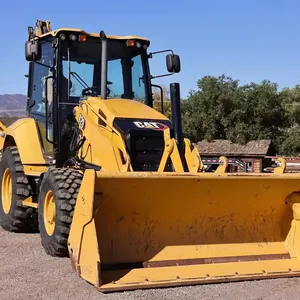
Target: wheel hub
<point>6,191</point>
<point>49,213</point>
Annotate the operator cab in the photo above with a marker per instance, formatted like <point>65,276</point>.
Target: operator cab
<point>67,65</point>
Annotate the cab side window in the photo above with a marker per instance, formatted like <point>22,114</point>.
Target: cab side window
<point>40,72</point>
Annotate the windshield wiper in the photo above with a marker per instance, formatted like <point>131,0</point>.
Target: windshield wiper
<point>80,80</point>
<point>85,86</point>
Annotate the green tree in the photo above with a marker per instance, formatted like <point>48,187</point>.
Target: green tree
<point>290,145</point>
<point>222,109</point>
<point>262,113</point>
<point>206,112</point>
<point>291,102</point>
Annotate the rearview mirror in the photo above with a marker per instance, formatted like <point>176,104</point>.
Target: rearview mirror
<point>32,50</point>
<point>173,63</point>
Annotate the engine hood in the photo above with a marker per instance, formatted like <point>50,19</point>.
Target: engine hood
<point>123,108</point>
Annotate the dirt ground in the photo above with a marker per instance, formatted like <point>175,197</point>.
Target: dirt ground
<point>26,272</point>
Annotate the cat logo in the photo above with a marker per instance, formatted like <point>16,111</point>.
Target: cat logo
<point>150,125</point>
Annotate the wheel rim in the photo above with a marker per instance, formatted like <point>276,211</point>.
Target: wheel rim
<point>6,191</point>
<point>49,213</point>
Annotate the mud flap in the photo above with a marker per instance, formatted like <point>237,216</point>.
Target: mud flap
<point>145,230</point>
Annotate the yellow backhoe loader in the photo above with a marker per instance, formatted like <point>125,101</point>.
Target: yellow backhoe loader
<point>112,183</point>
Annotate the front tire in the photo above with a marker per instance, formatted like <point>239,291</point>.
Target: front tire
<point>14,188</point>
<point>57,199</point>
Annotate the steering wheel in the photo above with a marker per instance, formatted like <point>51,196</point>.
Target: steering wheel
<point>94,90</point>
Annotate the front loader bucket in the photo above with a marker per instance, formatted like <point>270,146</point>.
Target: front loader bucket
<point>145,230</point>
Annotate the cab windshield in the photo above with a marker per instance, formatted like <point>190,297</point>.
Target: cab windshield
<point>81,70</point>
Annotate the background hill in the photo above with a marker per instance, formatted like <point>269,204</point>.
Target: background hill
<point>12,105</point>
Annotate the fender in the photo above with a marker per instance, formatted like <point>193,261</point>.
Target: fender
<point>24,134</point>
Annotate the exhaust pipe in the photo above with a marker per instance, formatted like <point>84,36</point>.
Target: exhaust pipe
<point>103,65</point>
<point>176,120</point>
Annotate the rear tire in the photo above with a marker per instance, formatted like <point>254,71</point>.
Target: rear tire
<point>57,199</point>
<point>14,188</point>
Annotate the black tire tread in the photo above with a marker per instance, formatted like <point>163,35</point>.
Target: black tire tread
<point>65,184</point>
<point>21,219</point>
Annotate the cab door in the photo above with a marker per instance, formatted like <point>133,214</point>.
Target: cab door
<point>38,73</point>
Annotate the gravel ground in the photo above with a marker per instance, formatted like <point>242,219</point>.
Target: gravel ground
<point>26,272</point>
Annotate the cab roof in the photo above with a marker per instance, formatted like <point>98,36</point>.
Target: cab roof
<point>56,32</point>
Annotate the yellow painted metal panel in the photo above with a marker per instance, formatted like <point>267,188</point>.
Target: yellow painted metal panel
<point>160,226</point>
<point>78,30</point>
<point>24,132</point>
<point>33,170</point>
<point>144,215</point>
<point>131,109</point>
<point>121,108</point>
<point>200,274</point>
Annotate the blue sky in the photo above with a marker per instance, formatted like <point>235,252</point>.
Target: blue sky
<point>248,40</point>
